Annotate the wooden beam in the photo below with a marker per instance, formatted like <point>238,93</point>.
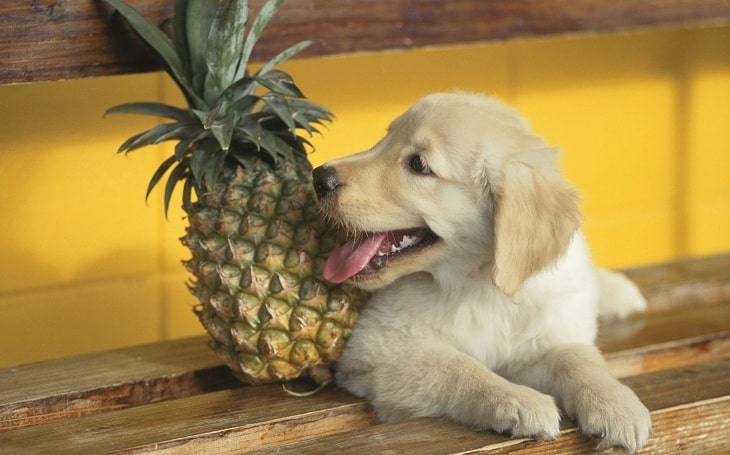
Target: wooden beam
<point>52,40</point>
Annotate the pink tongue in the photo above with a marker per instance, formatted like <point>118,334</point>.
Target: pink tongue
<point>351,258</point>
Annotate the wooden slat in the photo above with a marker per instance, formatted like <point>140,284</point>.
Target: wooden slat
<point>691,403</point>
<point>261,416</point>
<point>265,416</point>
<point>666,339</point>
<point>42,41</point>
<point>48,391</point>
<point>684,283</point>
<point>87,384</point>
<point>690,409</point>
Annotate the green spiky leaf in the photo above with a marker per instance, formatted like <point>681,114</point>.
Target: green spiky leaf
<point>280,107</point>
<point>264,139</point>
<point>280,82</point>
<point>225,44</point>
<point>161,44</point>
<point>259,24</point>
<point>284,55</point>
<point>164,167</point>
<point>223,132</point>
<point>178,173</point>
<point>160,133</point>
<point>206,165</point>
<point>198,16</point>
<point>179,26</point>
<point>242,88</point>
<point>157,109</point>
<point>208,117</point>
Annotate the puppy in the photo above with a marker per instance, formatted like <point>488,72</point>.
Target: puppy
<point>485,300</point>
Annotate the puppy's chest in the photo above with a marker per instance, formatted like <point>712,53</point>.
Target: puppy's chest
<point>497,333</point>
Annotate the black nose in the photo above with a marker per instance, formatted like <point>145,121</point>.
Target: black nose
<point>325,181</point>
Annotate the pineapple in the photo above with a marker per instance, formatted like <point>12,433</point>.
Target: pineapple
<point>257,245</point>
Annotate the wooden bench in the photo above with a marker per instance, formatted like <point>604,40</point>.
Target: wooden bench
<point>176,397</point>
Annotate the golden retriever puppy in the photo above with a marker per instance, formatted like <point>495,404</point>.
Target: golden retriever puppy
<point>485,300</point>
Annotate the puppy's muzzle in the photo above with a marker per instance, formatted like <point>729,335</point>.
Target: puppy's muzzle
<point>325,181</point>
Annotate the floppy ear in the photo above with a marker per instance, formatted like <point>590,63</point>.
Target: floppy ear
<point>535,219</point>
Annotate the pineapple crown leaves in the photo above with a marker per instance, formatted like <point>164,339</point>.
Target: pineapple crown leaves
<point>231,114</point>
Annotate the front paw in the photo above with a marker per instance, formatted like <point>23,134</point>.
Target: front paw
<point>525,413</point>
<point>615,414</point>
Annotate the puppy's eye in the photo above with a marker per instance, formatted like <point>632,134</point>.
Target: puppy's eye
<point>418,164</point>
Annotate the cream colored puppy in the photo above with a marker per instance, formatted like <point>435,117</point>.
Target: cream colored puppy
<point>485,301</point>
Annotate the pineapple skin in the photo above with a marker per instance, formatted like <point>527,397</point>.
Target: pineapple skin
<point>258,248</point>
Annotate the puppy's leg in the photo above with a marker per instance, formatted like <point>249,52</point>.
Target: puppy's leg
<point>426,379</point>
<point>579,379</point>
<point>619,295</point>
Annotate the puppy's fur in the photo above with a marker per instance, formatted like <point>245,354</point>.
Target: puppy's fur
<point>492,322</point>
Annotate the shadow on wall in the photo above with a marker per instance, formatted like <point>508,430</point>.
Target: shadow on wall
<point>77,315</point>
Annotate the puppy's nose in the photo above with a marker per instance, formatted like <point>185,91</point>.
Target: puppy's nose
<point>325,181</point>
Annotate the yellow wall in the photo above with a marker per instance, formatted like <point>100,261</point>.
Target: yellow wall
<point>642,119</point>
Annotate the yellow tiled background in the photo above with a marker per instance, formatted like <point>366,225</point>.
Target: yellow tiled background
<point>643,120</point>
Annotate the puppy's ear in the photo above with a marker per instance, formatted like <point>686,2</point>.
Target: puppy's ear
<point>536,216</point>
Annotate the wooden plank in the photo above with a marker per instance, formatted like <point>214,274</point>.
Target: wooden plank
<point>667,339</point>
<point>48,391</point>
<point>261,416</point>
<point>684,283</point>
<point>42,41</point>
<point>690,410</point>
<point>86,384</point>
<point>54,390</point>
<point>688,404</point>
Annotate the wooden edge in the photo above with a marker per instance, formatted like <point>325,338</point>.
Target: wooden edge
<point>655,358</point>
<point>683,283</point>
<point>63,40</point>
<point>691,404</point>
<point>655,341</point>
<point>91,383</point>
<point>246,417</point>
<point>690,408</point>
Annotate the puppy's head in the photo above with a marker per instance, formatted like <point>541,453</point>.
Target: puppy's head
<point>458,187</point>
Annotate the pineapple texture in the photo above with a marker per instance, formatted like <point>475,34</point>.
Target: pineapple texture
<point>258,250</point>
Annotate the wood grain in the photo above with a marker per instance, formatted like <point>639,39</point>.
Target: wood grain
<point>87,384</point>
<point>668,339</point>
<point>691,403</point>
<point>43,40</point>
<point>261,416</point>
<point>684,283</point>
<point>690,410</point>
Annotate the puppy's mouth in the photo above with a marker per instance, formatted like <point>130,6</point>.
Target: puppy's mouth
<point>374,251</point>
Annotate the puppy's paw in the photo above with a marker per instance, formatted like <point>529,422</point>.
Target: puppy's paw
<point>527,413</point>
<point>616,415</point>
